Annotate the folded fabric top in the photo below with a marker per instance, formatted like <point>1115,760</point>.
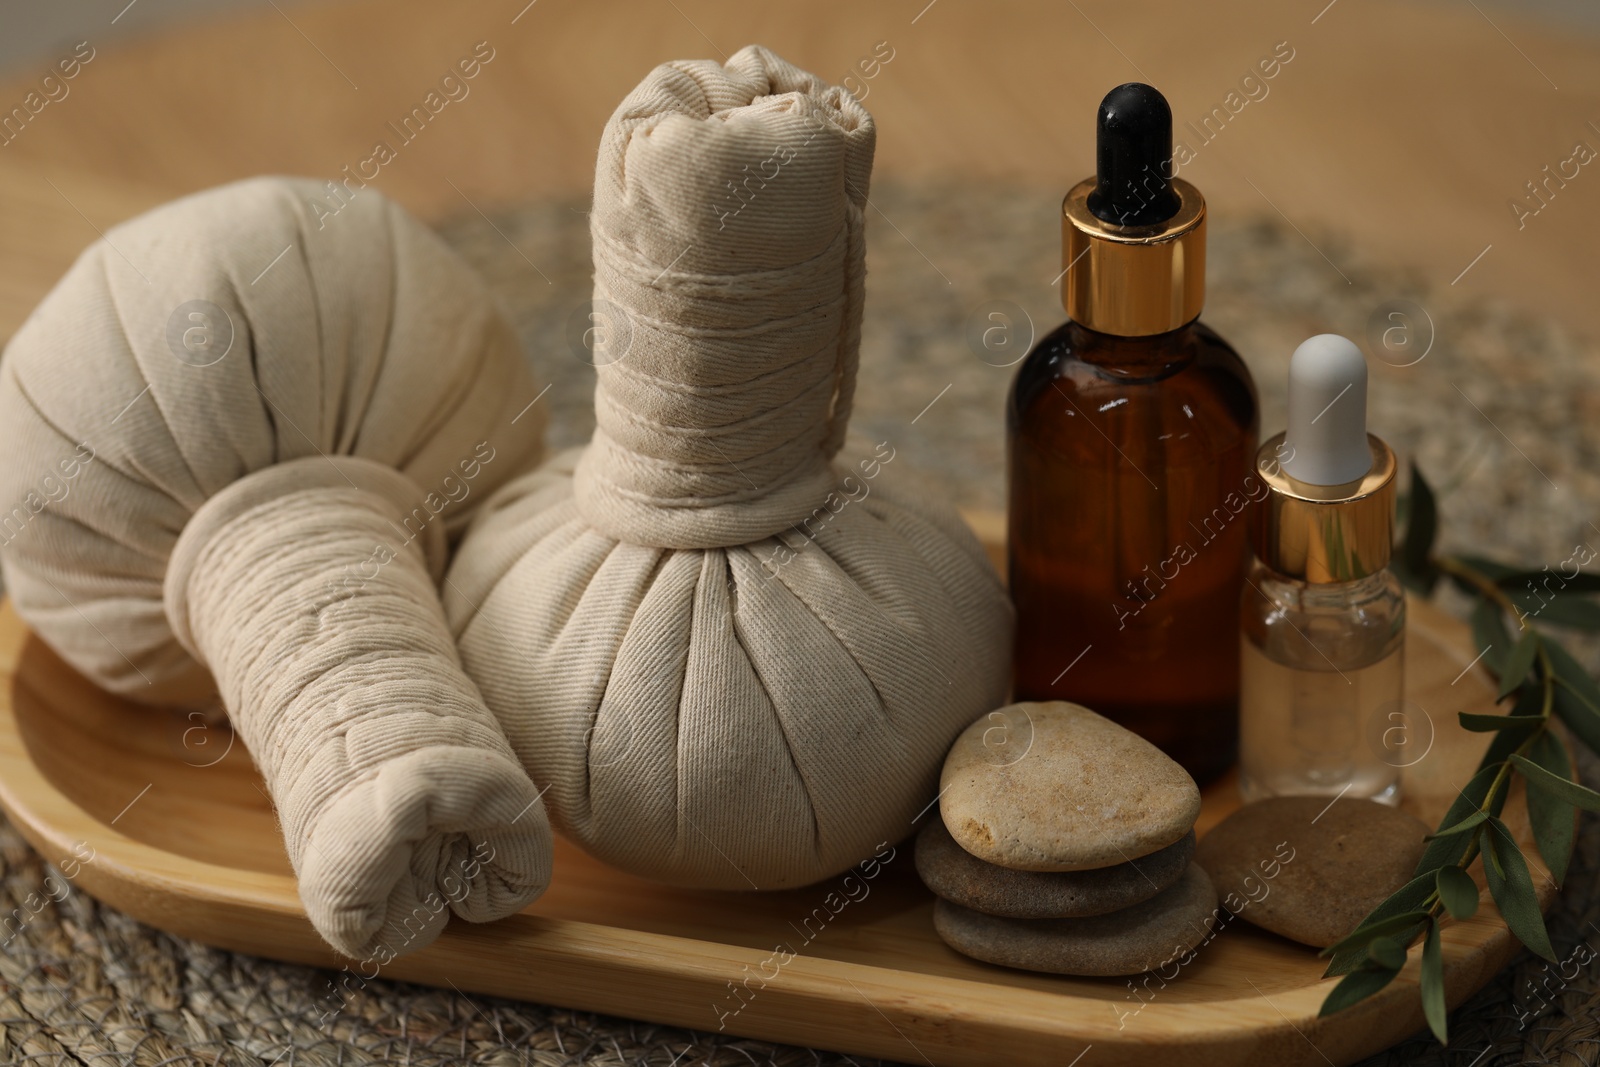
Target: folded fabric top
<point>730,264</point>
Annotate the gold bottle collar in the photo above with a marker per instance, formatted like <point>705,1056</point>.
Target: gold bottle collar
<point>1324,533</point>
<point>1133,281</point>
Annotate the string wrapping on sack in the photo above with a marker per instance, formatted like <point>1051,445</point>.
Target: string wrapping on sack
<point>300,589</point>
<point>729,251</point>
<point>735,650</point>
<point>251,432</point>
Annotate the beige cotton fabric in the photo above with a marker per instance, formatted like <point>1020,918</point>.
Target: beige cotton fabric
<point>233,441</point>
<point>736,655</point>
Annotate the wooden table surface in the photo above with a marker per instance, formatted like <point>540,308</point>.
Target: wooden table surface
<point>1404,128</point>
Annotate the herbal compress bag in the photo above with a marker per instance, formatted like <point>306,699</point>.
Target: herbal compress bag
<point>735,655</point>
<point>236,444</point>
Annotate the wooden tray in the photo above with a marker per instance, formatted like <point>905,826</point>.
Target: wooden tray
<point>183,838</point>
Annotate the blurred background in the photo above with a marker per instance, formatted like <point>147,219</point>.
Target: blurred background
<point>1407,126</point>
<point>33,29</point>
<point>1412,174</point>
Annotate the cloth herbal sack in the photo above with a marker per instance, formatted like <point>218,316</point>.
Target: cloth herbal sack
<point>735,654</point>
<point>233,444</point>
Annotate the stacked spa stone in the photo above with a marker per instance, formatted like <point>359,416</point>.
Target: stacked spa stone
<point>1064,846</point>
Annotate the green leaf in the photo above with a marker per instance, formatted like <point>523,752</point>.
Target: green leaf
<point>1577,697</point>
<point>1529,709</point>
<point>1512,888</point>
<point>1550,812</point>
<point>1557,783</point>
<point>1518,663</point>
<point>1567,609</point>
<point>1422,522</point>
<point>1401,927</point>
<point>1571,672</point>
<point>1490,636</point>
<point>1582,582</point>
<point>1433,985</point>
<point>1530,698</point>
<point>1504,743</point>
<point>1488,724</point>
<point>1387,952</point>
<point>1458,892</point>
<point>1421,584</point>
<point>1580,719</point>
<point>1455,828</point>
<point>1356,987</point>
<point>1409,898</point>
<point>1490,569</point>
<point>1445,851</point>
<point>1371,930</point>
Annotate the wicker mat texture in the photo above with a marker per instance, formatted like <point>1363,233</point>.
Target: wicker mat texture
<point>1501,410</point>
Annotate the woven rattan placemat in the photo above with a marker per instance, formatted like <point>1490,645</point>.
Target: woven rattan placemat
<point>1502,409</point>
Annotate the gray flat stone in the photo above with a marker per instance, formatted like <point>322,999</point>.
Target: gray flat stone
<point>1153,934</point>
<point>962,878</point>
<point>1308,870</point>
<point>1055,787</point>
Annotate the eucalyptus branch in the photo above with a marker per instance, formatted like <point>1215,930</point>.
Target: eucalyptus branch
<point>1485,585</point>
<point>1543,682</point>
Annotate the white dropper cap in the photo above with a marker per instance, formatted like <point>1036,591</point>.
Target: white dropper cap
<point>1327,435</point>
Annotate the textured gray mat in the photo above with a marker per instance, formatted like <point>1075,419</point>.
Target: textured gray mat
<point>1503,409</point>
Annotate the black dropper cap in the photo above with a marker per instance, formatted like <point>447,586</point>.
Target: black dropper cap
<point>1133,158</point>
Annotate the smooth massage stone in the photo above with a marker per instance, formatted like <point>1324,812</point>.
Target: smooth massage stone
<point>1307,868</point>
<point>1055,787</point>
<point>1141,938</point>
<point>962,878</point>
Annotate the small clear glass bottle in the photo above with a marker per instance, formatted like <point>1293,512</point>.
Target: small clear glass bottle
<point>1322,619</point>
<point>1322,670</point>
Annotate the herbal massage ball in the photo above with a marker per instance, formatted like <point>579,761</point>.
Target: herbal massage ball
<point>735,653</point>
<point>234,445</point>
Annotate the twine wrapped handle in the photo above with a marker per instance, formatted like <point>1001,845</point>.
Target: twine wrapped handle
<point>313,606</point>
<point>733,295</point>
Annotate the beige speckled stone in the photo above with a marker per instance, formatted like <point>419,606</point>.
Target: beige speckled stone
<point>1132,941</point>
<point>962,878</point>
<point>1055,787</point>
<point>1307,869</point>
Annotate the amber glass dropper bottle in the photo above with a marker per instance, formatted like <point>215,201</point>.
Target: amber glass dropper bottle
<point>1132,438</point>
